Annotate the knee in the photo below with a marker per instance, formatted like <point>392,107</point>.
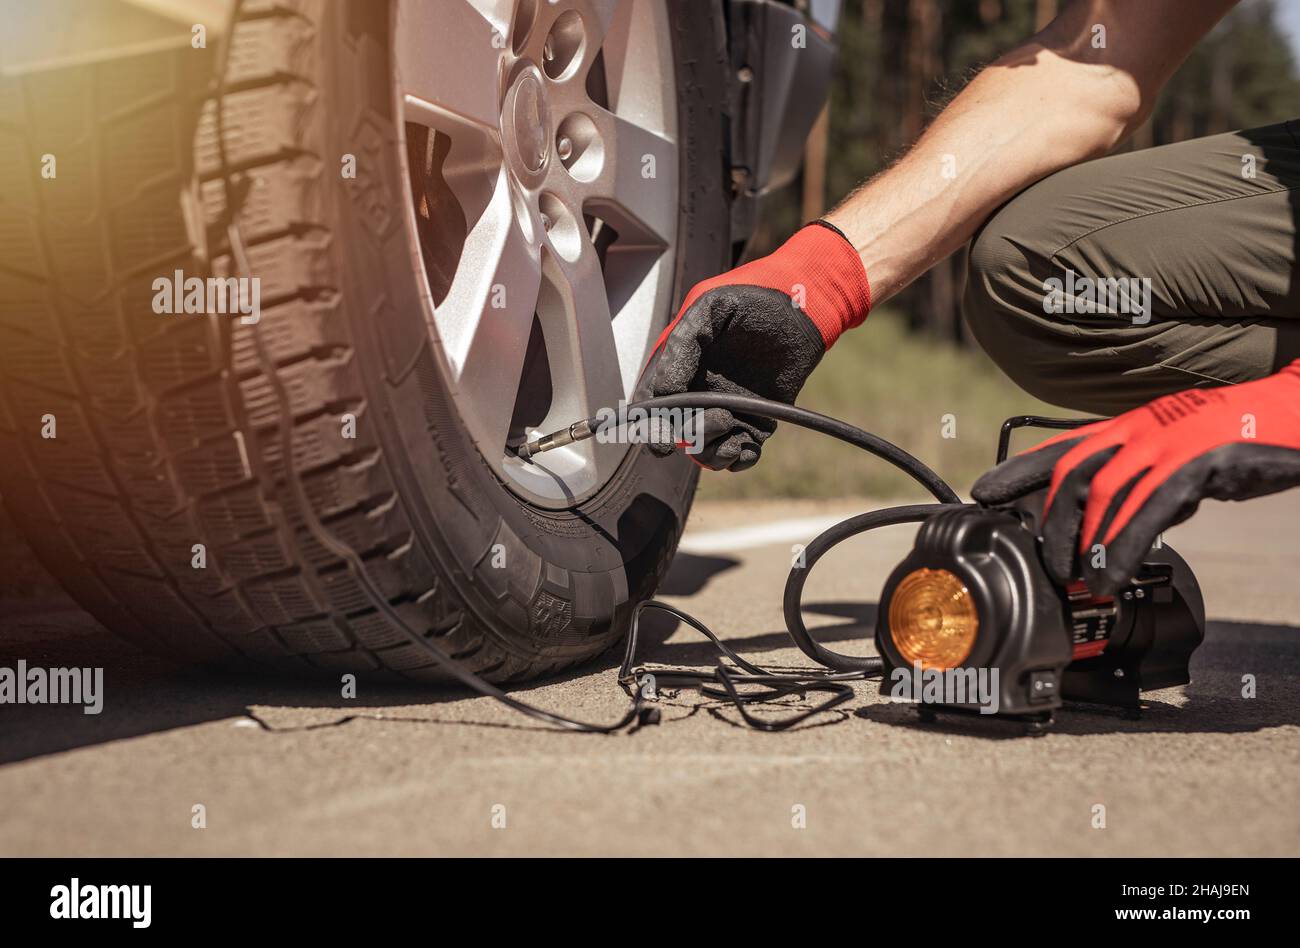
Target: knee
<point>1010,257</point>
<point>1009,260</point>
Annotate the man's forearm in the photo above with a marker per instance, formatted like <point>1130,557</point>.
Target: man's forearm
<point>1057,100</point>
<point>1008,128</point>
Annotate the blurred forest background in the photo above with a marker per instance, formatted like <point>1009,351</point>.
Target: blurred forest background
<point>913,364</point>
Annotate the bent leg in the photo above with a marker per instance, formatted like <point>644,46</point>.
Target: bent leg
<point>1211,223</point>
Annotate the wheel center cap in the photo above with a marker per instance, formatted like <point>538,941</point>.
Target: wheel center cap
<point>526,122</point>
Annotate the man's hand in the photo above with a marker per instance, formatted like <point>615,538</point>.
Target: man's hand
<point>760,330</point>
<point>1120,482</point>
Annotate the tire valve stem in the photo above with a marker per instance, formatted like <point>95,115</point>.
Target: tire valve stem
<point>578,431</point>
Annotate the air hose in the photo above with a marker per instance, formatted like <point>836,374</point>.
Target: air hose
<point>766,408</point>
<point>843,668</point>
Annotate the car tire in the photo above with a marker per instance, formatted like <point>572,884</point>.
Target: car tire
<point>141,455</point>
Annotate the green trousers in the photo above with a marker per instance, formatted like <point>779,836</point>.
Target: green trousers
<point>1132,276</point>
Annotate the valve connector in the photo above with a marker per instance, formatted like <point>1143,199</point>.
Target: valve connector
<point>578,431</point>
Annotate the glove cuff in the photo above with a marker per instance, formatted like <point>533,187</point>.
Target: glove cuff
<point>817,269</point>
<point>836,292</point>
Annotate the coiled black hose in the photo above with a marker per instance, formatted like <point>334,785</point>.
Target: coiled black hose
<point>844,668</point>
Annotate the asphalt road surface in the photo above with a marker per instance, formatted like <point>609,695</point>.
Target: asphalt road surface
<point>295,769</point>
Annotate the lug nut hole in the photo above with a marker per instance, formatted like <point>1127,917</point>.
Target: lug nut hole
<point>525,17</point>
<point>579,147</point>
<point>562,228</point>
<point>564,44</point>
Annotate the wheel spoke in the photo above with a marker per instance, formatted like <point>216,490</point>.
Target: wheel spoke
<point>639,177</point>
<point>487,318</point>
<point>450,55</point>
<point>580,336</point>
<point>598,16</point>
<point>629,60</point>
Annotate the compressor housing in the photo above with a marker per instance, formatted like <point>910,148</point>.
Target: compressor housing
<point>973,594</point>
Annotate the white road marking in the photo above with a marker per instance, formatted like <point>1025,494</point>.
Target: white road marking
<point>794,530</point>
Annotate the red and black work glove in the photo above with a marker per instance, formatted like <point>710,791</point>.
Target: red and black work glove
<point>760,330</point>
<point>1120,482</point>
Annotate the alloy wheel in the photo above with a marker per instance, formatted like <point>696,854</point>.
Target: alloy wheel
<point>541,151</point>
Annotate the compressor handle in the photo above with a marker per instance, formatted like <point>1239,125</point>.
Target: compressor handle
<point>1034,421</point>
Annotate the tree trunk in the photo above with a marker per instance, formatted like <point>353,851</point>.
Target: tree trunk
<point>814,167</point>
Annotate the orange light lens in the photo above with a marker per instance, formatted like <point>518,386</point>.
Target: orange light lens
<point>932,618</point>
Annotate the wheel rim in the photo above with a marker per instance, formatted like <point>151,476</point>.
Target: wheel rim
<point>541,151</point>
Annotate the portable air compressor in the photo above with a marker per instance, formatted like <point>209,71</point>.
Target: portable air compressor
<point>973,594</point>
<point>973,597</point>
